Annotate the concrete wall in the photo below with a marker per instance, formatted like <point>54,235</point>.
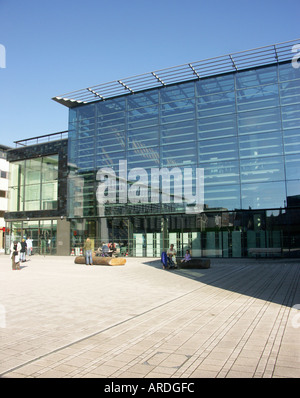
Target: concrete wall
<point>63,238</point>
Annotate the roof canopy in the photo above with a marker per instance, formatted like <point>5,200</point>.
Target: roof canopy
<point>196,70</point>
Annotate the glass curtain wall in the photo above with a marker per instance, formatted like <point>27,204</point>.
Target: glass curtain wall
<point>42,233</point>
<point>33,184</point>
<point>241,128</point>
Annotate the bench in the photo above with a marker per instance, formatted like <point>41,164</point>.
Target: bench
<point>265,250</point>
<point>99,260</point>
<point>194,263</point>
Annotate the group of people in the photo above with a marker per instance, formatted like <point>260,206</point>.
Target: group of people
<point>18,251</point>
<point>168,259</point>
<point>105,250</point>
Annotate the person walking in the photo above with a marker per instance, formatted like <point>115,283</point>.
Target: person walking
<point>88,252</point>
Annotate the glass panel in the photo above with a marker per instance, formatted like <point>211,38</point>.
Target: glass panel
<point>53,237</point>
<point>144,99</point>
<point>81,194</point>
<point>142,117</point>
<point>107,143</point>
<point>293,193</point>
<point>216,104</point>
<point>257,145</point>
<point>291,141</point>
<point>143,157</point>
<point>120,234</point>
<point>111,160</point>
<point>177,111</point>
<point>217,127</point>
<point>257,97</point>
<point>290,92</point>
<point>179,154</point>
<point>86,147</point>
<point>214,85</point>
<point>16,186</point>
<point>86,129</point>
<point>138,237</point>
<point>111,123</point>
<point>16,231</point>
<point>256,77</point>
<point>31,230</point>
<point>178,132</point>
<point>153,236</point>
<point>262,170</point>
<point>31,193</point>
<point>49,189</point>
<point>49,196</point>
<point>213,150</point>
<point>260,121</point>
<point>143,137</point>
<point>45,235</point>
<point>114,105</point>
<point>33,171</point>
<point>287,72</point>
<point>226,197</point>
<point>221,173</point>
<point>50,168</point>
<point>292,167</point>
<point>290,116</point>
<point>263,195</point>
<point>178,92</point>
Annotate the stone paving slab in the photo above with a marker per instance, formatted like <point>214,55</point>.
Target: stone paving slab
<point>239,318</point>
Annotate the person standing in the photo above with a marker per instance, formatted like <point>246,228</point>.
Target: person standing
<point>88,252</point>
<point>29,246</point>
<point>15,250</point>
<point>23,251</point>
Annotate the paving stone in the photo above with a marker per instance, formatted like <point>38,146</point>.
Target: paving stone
<point>234,319</point>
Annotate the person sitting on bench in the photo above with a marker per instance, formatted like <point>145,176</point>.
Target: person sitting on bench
<point>187,257</point>
<point>171,253</point>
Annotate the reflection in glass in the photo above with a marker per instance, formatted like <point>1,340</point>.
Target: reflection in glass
<point>264,144</point>
<point>263,195</point>
<point>292,167</point>
<point>34,184</point>
<point>262,169</point>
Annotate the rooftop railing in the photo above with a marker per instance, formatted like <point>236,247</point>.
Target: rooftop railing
<point>42,139</point>
<point>267,55</point>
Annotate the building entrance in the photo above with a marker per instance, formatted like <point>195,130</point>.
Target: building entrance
<point>210,234</point>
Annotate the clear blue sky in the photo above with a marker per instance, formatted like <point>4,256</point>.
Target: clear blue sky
<point>53,47</point>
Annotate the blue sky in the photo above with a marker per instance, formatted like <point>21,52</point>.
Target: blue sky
<point>53,47</point>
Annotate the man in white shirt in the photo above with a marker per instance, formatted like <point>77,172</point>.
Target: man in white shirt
<point>171,253</point>
<point>29,246</point>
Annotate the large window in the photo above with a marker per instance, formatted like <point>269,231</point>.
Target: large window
<point>33,184</point>
<point>242,128</point>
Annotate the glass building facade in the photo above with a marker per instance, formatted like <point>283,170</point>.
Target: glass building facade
<point>37,205</point>
<point>205,156</point>
<point>34,183</point>
<point>241,128</point>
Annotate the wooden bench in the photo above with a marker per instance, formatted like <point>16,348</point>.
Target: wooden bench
<point>194,263</point>
<point>99,260</point>
<point>257,251</point>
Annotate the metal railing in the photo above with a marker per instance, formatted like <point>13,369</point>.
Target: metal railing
<point>267,55</point>
<point>42,138</point>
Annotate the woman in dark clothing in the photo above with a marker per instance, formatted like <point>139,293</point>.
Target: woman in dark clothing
<point>23,251</point>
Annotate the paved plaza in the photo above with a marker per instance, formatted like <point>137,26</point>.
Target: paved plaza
<point>238,319</point>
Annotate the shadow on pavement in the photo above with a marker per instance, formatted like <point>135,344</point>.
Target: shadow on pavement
<point>274,280</point>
